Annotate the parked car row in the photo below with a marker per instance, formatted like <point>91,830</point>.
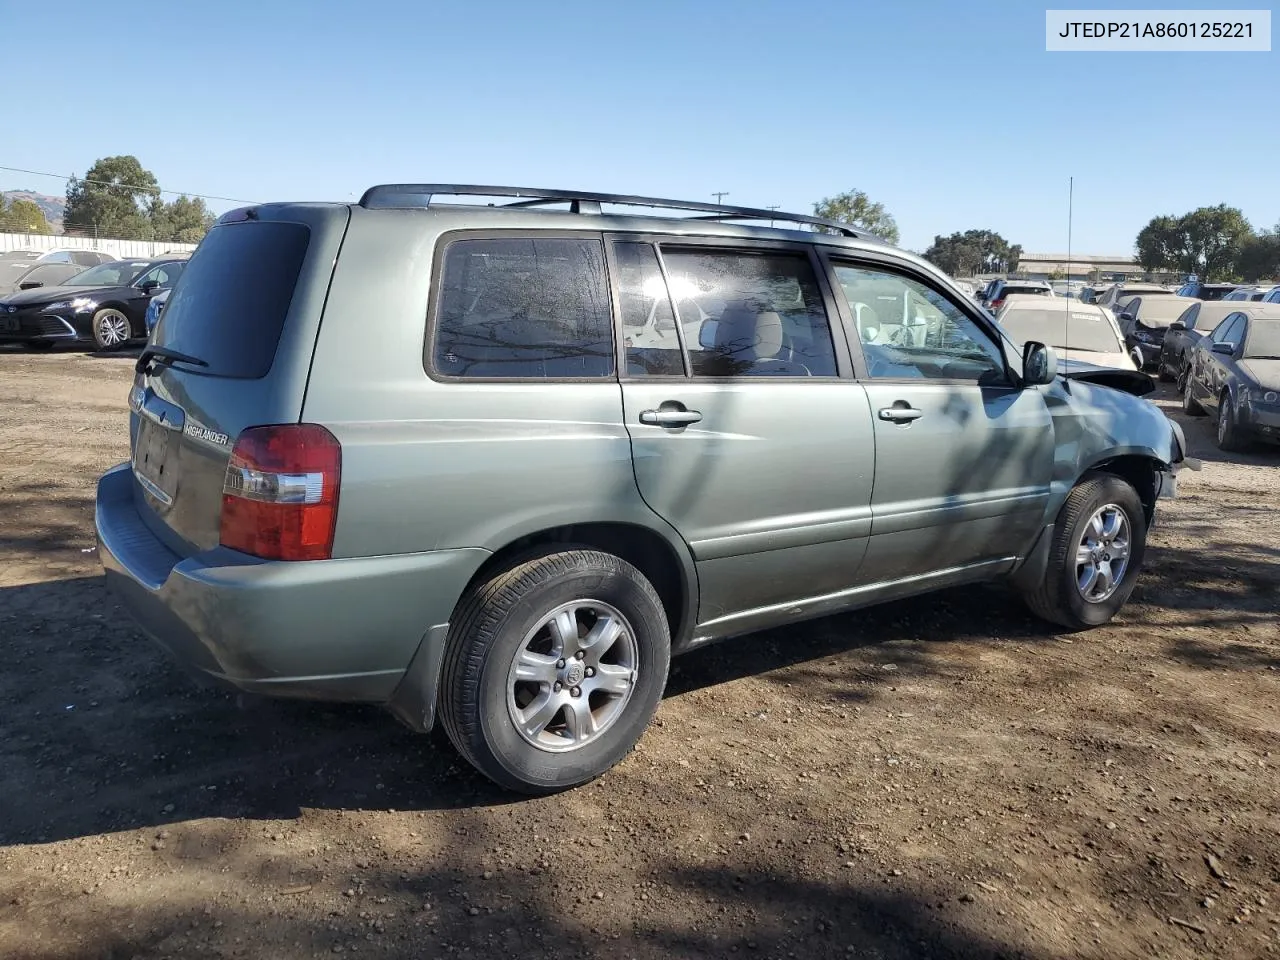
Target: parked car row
<point>28,269</point>
<point>105,305</point>
<point>1234,375</point>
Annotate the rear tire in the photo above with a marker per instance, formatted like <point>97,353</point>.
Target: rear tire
<point>1101,526</point>
<point>521,644</point>
<point>111,329</point>
<point>1163,372</point>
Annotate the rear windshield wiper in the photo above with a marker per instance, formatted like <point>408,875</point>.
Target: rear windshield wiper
<point>166,356</point>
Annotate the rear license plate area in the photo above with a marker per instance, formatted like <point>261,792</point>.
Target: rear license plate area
<point>151,459</point>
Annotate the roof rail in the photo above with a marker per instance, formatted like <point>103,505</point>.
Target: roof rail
<point>409,195</point>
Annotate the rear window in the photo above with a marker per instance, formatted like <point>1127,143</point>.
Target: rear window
<point>1072,329</point>
<point>1015,288</point>
<point>230,305</point>
<point>524,308</point>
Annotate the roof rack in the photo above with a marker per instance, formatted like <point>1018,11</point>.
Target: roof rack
<point>402,195</point>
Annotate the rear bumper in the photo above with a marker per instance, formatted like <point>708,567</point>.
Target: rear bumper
<point>343,629</point>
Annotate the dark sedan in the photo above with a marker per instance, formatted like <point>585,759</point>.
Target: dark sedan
<point>1183,335</point>
<point>1235,375</point>
<point>1144,320</point>
<point>105,305</point>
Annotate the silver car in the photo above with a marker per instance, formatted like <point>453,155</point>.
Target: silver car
<point>495,462</point>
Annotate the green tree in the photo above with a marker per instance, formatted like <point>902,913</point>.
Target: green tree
<point>22,216</point>
<point>1207,242</point>
<point>185,220</point>
<point>113,199</point>
<point>974,251</point>
<point>1260,257</point>
<point>856,209</point>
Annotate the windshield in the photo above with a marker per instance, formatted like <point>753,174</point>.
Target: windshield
<point>1074,329</point>
<point>1160,311</point>
<point>120,273</point>
<point>1264,341</point>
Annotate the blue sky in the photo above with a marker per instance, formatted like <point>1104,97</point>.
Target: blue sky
<point>952,115</point>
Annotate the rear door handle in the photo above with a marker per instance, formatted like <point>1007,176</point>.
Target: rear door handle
<point>670,417</point>
<point>900,414</point>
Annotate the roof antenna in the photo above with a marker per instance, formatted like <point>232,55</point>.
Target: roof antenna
<point>1066,318</point>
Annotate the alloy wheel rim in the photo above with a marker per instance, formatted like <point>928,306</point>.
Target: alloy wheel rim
<point>114,328</point>
<point>1224,414</point>
<point>1102,553</point>
<point>572,676</point>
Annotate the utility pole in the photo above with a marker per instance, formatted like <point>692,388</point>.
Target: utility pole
<point>773,206</point>
<point>719,195</point>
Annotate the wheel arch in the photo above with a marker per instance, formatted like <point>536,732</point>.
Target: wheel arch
<point>1140,470</point>
<point>123,309</point>
<point>667,565</point>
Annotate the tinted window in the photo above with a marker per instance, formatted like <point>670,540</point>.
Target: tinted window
<point>750,314</point>
<point>1190,316</point>
<point>648,321</point>
<point>86,257</point>
<point>61,256</point>
<point>1230,330</point>
<point>524,308</point>
<point>165,275</point>
<point>911,331</point>
<point>234,296</point>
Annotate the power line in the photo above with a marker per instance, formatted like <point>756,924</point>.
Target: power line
<point>127,186</point>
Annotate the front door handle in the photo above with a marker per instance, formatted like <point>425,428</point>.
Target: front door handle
<point>900,414</point>
<point>672,416</point>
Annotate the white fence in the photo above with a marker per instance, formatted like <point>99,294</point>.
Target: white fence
<point>119,249</point>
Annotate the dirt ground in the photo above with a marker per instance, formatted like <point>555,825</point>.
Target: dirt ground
<point>934,778</point>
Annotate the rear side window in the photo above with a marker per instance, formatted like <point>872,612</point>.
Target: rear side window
<point>230,306</point>
<point>750,314</point>
<point>523,309</point>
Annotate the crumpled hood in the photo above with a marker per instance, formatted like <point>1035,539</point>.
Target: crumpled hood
<point>1129,381</point>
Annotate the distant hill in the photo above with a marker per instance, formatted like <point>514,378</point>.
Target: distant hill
<point>52,207</point>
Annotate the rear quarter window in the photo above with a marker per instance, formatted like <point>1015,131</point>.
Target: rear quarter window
<point>523,308</point>
<point>230,304</point>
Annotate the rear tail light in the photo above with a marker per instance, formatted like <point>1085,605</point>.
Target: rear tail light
<point>280,493</point>
<point>995,304</point>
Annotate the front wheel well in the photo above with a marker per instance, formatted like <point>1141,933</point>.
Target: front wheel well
<point>641,547</point>
<point>1140,473</point>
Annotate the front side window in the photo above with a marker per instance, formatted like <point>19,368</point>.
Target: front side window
<point>523,308</point>
<point>1229,330</point>
<point>1190,316</point>
<point>910,331</point>
<point>163,276</point>
<point>750,314</point>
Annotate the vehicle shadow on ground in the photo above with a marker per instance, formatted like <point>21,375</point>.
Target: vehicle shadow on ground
<point>104,732</point>
<point>543,909</point>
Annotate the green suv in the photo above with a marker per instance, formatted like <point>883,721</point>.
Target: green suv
<point>495,455</point>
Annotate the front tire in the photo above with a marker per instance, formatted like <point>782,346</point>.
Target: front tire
<point>1099,542</point>
<point>1190,405</point>
<point>111,329</point>
<point>1164,372</point>
<point>1230,437</point>
<point>553,668</point>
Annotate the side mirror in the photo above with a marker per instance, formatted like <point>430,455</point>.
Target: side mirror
<point>148,286</point>
<point>1039,363</point>
<point>707,334</point>
<point>30,285</point>
<point>1227,348</point>
<point>1177,325</point>
<point>1126,316</point>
